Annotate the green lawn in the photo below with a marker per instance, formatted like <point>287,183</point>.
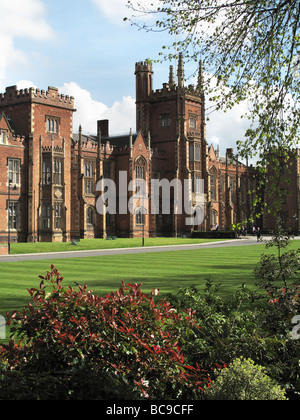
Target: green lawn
<point>92,244</point>
<point>167,271</point>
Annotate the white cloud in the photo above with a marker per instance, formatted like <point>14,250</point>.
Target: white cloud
<point>25,18</point>
<point>116,10</point>
<point>121,115</point>
<point>20,18</point>
<point>10,57</point>
<point>25,84</point>
<point>226,128</point>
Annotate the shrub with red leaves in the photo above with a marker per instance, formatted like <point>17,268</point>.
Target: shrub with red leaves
<point>125,333</point>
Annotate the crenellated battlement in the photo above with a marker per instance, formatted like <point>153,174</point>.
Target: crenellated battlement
<point>16,140</point>
<point>56,149</point>
<point>50,97</point>
<point>90,145</point>
<point>168,91</point>
<point>143,66</point>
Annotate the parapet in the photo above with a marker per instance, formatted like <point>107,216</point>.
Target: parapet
<point>50,97</point>
<point>143,66</point>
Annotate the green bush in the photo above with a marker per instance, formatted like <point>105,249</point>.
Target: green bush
<point>68,336</point>
<point>243,380</point>
<point>81,383</point>
<point>244,325</point>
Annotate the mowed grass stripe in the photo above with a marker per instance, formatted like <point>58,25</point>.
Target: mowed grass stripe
<point>168,271</point>
<point>92,244</point>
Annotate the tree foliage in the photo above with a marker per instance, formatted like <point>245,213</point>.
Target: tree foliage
<point>274,272</point>
<point>252,49</point>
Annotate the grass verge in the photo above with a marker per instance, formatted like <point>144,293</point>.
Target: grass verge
<point>93,244</point>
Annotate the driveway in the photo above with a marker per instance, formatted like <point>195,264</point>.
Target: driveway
<point>125,251</point>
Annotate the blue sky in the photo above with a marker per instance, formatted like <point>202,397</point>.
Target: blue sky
<point>84,48</point>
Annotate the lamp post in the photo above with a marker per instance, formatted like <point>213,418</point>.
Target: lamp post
<point>143,215</point>
<point>9,211</point>
<point>8,214</point>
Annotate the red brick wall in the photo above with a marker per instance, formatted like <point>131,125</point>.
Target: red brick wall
<point>61,143</point>
<point>28,110</point>
<point>15,149</point>
<point>3,250</point>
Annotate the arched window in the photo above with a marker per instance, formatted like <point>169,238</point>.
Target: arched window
<point>140,176</point>
<point>214,217</point>
<point>213,174</point>
<point>90,216</point>
<point>140,216</point>
<point>140,168</point>
<point>57,216</point>
<point>46,213</point>
<point>58,171</point>
<point>52,125</point>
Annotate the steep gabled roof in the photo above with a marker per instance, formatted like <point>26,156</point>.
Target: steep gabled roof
<point>8,124</point>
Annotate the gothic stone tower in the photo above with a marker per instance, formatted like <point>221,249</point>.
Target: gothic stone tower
<point>174,116</point>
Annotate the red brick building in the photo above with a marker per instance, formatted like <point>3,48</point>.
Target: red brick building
<point>51,178</point>
<point>35,165</point>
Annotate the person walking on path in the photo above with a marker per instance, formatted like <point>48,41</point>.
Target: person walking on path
<point>258,234</point>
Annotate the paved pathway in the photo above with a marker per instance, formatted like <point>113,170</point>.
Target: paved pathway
<point>124,251</point>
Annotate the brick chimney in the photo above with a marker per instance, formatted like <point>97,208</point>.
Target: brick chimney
<point>103,126</point>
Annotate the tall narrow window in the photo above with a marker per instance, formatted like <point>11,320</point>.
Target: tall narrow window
<point>107,170</point>
<point>232,190</point>
<point>3,135</point>
<point>212,187</point>
<point>165,120</point>
<point>90,216</point>
<point>13,215</point>
<point>57,216</point>
<point>214,217</point>
<point>197,152</point>
<point>140,176</point>
<point>88,169</point>
<point>191,157</point>
<point>198,184</point>
<point>88,186</point>
<point>88,175</point>
<point>14,171</point>
<point>193,123</point>
<point>57,171</point>
<point>46,215</point>
<point>140,216</point>
<point>46,171</point>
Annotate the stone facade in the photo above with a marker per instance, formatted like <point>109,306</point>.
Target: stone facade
<point>51,177</point>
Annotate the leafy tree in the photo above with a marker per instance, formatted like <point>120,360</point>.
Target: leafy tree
<point>252,49</point>
<point>273,272</point>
